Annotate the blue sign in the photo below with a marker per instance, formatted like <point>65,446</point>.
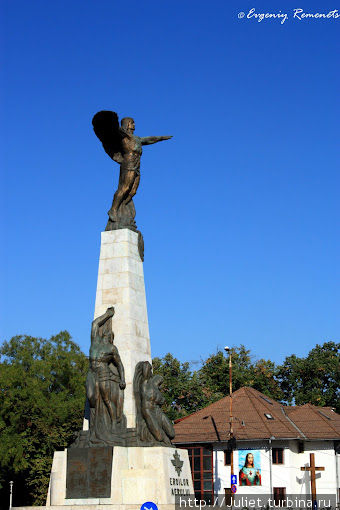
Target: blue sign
<point>233,479</point>
<point>315,505</point>
<point>149,506</point>
<point>234,489</point>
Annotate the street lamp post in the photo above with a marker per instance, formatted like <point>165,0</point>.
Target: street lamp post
<point>10,494</point>
<point>231,431</point>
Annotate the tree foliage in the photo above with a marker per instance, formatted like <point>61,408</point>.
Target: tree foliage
<point>314,379</point>
<point>41,407</point>
<point>214,373</point>
<point>181,388</point>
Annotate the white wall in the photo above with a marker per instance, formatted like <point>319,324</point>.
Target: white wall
<point>324,456</point>
<point>288,474</point>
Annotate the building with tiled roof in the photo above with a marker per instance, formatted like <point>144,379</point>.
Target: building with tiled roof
<point>279,439</point>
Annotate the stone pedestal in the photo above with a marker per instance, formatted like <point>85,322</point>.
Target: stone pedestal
<point>139,474</point>
<point>121,285</point>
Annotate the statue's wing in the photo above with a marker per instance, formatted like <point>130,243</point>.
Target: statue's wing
<point>137,387</point>
<point>106,126</point>
<point>137,383</point>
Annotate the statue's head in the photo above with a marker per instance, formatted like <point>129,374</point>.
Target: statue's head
<point>128,124</point>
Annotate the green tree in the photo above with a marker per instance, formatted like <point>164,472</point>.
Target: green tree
<point>42,400</point>
<point>181,388</point>
<point>212,377</point>
<point>265,379</point>
<point>214,373</point>
<point>314,379</point>
<point>261,375</point>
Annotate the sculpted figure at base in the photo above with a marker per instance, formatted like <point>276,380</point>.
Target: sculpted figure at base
<point>125,148</point>
<point>153,426</point>
<point>105,383</point>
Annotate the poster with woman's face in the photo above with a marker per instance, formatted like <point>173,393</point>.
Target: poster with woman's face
<point>249,462</point>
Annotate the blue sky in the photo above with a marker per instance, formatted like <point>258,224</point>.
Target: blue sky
<point>239,210</point>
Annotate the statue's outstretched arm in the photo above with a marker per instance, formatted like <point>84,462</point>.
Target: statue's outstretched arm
<point>99,321</point>
<point>148,140</point>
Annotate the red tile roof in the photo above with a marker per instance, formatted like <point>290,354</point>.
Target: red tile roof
<point>315,422</point>
<point>250,422</point>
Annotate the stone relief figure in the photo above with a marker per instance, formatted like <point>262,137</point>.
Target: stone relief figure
<point>105,384</point>
<point>153,426</point>
<point>125,148</point>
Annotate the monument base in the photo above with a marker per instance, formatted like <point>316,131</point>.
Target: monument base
<point>139,475</point>
<point>93,507</point>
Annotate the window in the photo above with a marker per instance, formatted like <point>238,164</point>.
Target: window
<point>277,455</point>
<point>227,497</point>
<point>227,457</point>
<point>201,462</point>
<point>301,446</point>
<point>268,416</point>
<point>280,496</point>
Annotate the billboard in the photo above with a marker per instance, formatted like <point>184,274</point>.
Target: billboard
<point>249,463</point>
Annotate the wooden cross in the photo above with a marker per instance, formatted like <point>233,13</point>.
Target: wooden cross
<point>312,470</point>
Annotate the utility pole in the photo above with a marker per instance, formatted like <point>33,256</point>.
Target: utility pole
<point>10,494</point>
<point>231,431</point>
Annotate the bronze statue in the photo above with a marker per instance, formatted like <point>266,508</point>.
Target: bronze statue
<point>153,426</point>
<point>125,148</point>
<point>105,383</point>
<point>105,386</point>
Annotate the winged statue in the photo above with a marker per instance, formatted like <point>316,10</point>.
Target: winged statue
<point>125,148</point>
<point>153,426</point>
